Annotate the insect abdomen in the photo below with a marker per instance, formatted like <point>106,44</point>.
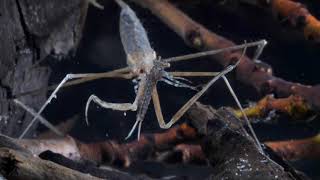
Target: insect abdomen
<point>134,38</point>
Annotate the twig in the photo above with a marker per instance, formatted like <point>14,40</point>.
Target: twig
<point>184,153</point>
<point>294,106</point>
<point>296,14</point>
<point>65,127</point>
<point>42,119</point>
<point>308,148</point>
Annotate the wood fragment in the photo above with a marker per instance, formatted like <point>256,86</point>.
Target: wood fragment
<point>298,17</point>
<point>294,106</point>
<point>16,162</point>
<point>295,149</point>
<point>294,14</point>
<point>184,153</point>
<point>21,166</point>
<point>87,167</point>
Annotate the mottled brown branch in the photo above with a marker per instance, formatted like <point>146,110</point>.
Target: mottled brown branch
<point>296,14</point>
<point>190,152</point>
<point>251,73</point>
<point>111,152</point>
<point>295,149</point>
<point>308,148</point>
<point>184,153</point>
<point>294,106</point>
<point>173,140</point>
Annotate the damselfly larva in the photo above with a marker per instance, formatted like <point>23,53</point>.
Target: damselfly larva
<point>144,65</point>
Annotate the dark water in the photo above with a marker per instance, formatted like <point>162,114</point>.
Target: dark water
<point>101,50</point>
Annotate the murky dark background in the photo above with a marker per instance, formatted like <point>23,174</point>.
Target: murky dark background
<point>100,50</point>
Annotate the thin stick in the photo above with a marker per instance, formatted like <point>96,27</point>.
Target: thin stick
<point>95,4</point>
<point>42,119</point>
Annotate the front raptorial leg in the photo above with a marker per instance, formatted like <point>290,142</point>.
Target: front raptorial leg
<point>120,106</point>
<point>113,106</point>
<point>60,85</point>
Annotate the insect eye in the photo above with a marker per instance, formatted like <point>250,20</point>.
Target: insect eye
<point>141,71</point>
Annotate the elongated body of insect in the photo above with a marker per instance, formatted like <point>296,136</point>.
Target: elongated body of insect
<point>142,60</point>
<point>151,80</point>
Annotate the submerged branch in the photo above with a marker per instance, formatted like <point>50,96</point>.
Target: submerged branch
<point>308,148</point>
<point>295,13</point>
<point>294,106</point>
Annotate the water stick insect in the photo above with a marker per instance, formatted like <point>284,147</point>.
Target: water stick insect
<point>144,65</point>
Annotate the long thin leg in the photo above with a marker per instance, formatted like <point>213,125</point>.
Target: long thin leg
<point>188,74</point>
<point>121,73</point>
<point>261,44</point>
<point>185,107</point>
<point>243,113</point>
<point>193,74</point>
<point>53,95</point>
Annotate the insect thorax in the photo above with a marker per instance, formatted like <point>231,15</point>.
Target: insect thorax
<point>141,62</point>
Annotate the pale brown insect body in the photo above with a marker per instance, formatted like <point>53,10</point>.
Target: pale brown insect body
<point>144,65</point>
<point>141,59</point>
<point>140,55</point>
